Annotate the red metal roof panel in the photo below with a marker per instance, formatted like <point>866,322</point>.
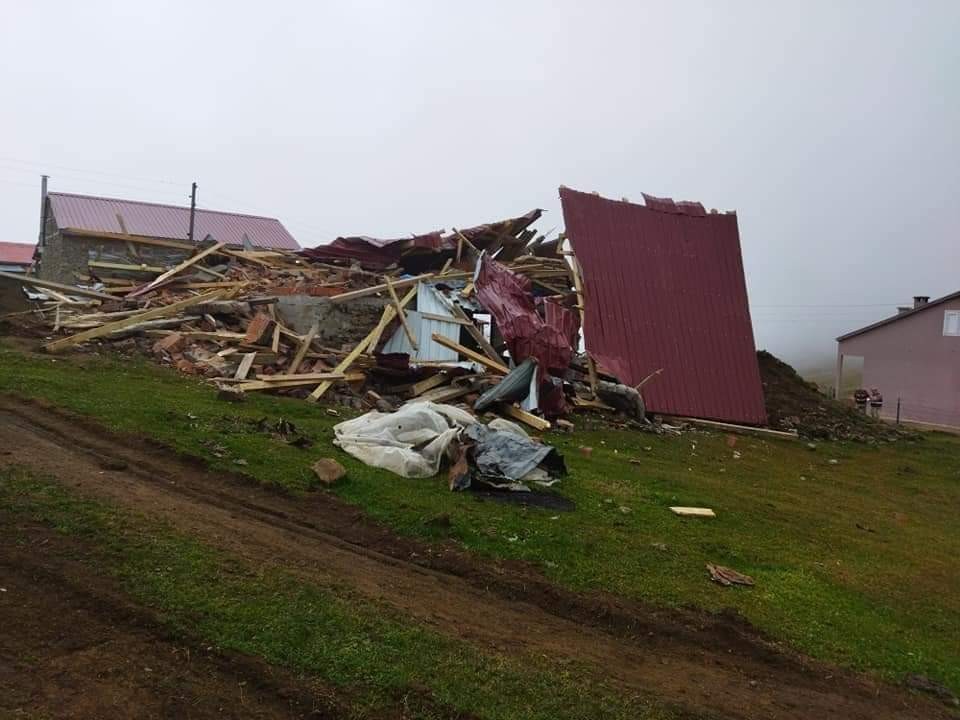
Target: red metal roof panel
<point>97,214</point>
<point>16,253</point>
<point>664,288</point>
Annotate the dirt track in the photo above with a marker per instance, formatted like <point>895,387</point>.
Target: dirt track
<point>707,665</point>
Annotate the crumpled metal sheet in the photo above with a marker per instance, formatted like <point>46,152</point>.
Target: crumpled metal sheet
<point>375,252</point>
<point>507,296</point>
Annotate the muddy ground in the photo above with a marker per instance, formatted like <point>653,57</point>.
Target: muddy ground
<point>708,665</point>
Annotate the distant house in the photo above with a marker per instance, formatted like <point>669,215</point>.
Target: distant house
<point>913,356</point>
<point>15,257</point>
<point>80,229</point>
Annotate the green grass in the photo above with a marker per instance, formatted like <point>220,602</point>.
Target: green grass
<point>379,661</point>
<point>883,597</point>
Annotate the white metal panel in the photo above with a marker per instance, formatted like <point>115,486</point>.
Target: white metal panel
<point>424,328</point>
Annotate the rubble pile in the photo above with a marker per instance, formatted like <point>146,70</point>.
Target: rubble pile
<point>794,404</point>
<point>487,317</point>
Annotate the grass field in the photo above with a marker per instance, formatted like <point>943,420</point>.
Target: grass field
<point>378,661</point>
<point>855,561</point>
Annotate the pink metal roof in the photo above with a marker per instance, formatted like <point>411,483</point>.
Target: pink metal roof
<point>16,253</point>
<point>98,214</point>
<point>665,289</point>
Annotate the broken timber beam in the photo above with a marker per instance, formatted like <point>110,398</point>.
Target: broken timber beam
<point>50,285</point>
<point>471,354</point>
<point>304,346</point>
<point>400,313</point>
<point>537,423</point>
<point>741,429</point>
<point>157,312</point>
<point>179,268</point>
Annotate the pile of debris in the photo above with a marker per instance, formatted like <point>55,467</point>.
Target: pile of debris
<point>488,316</point>
<point>795,404</point>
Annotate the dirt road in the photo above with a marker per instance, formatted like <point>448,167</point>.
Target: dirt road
<point>707,665</point>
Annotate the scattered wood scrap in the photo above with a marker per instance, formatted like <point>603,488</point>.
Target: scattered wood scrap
<point>693,512</point>
<point>727,577</point>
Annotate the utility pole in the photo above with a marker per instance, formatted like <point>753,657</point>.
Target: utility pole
<point>43,210</point>
<point>193,209</point>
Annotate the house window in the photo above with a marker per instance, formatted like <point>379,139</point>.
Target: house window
<point>951,322</point>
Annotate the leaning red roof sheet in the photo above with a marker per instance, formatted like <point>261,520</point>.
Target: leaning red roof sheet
<point>16,253</point>
<point>99,214</point>
<point>664,288</point>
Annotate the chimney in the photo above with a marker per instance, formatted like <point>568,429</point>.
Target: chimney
<point>901,310</point>
<point>920,301</point>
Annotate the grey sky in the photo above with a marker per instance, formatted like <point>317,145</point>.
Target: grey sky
<point>832,128</point>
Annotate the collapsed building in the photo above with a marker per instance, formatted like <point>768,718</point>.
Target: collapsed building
<point>634,309</point>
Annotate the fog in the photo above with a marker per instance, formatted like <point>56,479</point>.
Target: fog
<point>830,127</point>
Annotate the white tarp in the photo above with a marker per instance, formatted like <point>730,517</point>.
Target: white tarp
<point>410,442</point>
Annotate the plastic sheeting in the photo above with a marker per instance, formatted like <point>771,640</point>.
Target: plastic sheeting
<point>410,442</point>
<point>508,455</point>
<point>413,441</point>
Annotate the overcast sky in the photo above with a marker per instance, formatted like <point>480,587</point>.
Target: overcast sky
<point>833,128</point>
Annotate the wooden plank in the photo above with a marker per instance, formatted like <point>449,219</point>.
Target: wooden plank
<point>179,268</point>
<point>400,313</point>
<point>693,512</point>
<point>158,312</point>
<point>419,388</point>
<point>475,332</point>
<point>122,266</point>
<point>578,286</point>
<point>243,369</point>
<point>442,395</point>
<point>471,354</point>
<point>373,290</point>
<point>739,429</point>
<point>275,343</point>
<point>302,350</point>
<point>386,318</point>
<point>59,297</point>
<point>537,423</point>
<point>263,385</point>
<point>60,287</point>
<point>445,318</point>
<point>316,377</point>
<point>139,239</point>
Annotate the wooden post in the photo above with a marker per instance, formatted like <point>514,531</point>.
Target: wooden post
<point>838,377</point>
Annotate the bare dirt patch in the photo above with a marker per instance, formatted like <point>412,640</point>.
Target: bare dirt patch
<point>74,646</point>
<point>708,665</point>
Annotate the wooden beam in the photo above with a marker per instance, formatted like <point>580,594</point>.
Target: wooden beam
<point>388,315</point>
<point>123,266</point>
<point>373,290</point>
<point>315,377</point>
<point>158,312</point>
<point>578,286</point>
<point>740,429</point>
<point>302,350</point>
<point>693,512</point>
<point>49,285</point>
<point>471,354</point>
<point>179,268</point>
<point>276,385</point>
<point>139,239</point>
<point>400,313</point>
<point>475,332</point>
<point>243,369</point>
<point>537,423</point>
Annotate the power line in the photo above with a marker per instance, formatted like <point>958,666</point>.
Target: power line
<point>90,172</point>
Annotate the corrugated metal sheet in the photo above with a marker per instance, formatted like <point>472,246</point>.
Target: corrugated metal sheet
<point>665,289</point>
<point>16,253</point>
<point>97,214</point>
<point>423,329</point>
